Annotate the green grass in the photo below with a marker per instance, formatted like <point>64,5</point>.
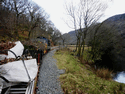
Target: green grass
<point>86,55</point>
<point>80,79</point>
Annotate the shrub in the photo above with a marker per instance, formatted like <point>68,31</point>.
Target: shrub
<point>104,73</point>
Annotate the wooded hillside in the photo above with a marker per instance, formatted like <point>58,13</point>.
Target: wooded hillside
<point>24,19</point>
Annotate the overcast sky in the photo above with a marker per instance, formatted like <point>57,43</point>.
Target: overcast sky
<point>56,10</point>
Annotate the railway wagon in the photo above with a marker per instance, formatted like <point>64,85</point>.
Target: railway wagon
<point>35,49</point>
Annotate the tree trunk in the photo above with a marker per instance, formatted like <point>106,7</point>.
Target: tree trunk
<point>63,42</point>
<point>83,46</point>
<point>77,44</point>
<point>79,48</point>
<point>29,34</point>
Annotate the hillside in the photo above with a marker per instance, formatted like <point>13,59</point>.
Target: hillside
<point>119,17</point>
<point>117,21</point>
<point>72,37</point>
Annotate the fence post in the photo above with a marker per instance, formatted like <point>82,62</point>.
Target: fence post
<point>38,57</point>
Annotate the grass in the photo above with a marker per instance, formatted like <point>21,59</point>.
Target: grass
<point>104,73</point>
<point>80,79</point>
<point>86,55</point>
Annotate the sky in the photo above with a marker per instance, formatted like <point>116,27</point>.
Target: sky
<point>56,10</point>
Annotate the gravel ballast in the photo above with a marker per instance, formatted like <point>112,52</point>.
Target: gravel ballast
<point>48,80</point>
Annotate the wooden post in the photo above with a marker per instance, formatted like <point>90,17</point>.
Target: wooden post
<point>38,57</point>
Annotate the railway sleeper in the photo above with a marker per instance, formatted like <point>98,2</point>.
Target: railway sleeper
<point>17,89</point>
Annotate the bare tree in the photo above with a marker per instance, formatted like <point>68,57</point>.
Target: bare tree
<point>35,16</point>
<point>56,36</point>
<point>19,8</point>
<point>75,18</point>
<point>65,38</point>
<point>83,15</point>
<point>7,18</point>
<point>92,11</point>
<point>25,15</point>
<point>12,13</point>
<point>50,28</point>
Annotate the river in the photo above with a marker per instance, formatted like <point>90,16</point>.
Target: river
<point>120,77</point>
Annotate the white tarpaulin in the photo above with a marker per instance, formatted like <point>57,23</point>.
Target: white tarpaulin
<point>16,72</point>
<point>17,49</point>
<point>2,56</point>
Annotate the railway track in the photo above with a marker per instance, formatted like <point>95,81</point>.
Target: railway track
<point>17,89</point>
<point>21,88</point>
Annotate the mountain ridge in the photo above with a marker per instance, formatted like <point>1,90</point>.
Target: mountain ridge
<point>117,21</point>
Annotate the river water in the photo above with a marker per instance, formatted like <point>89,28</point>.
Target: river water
<point>120,77</point>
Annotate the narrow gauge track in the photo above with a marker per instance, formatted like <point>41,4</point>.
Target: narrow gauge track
<point>21,88</point>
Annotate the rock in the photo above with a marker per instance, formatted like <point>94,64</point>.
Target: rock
<point>61,71</point>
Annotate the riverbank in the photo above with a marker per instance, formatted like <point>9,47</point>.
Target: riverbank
<point>81,79</point>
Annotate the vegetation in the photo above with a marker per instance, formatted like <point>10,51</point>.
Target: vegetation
<point>8,45</point>
<point>104,39</point>
<point>82,16</point>
<point>24,19</point>
<point>80,79</point>
<point>105,44</point>
<point>103,73</point>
